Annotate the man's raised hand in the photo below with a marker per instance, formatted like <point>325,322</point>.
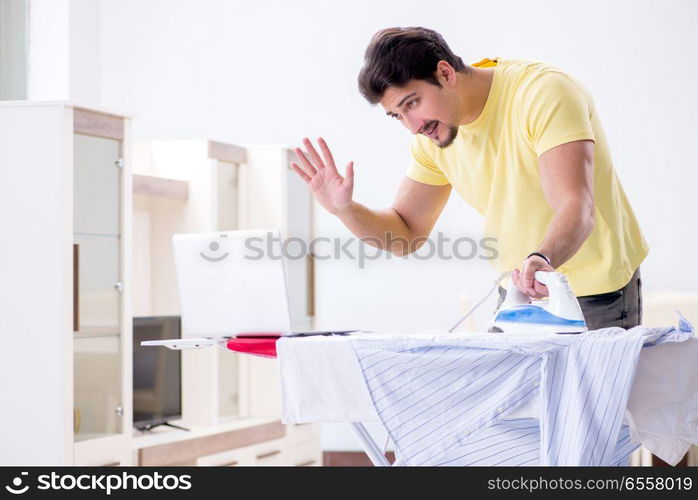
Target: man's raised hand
<point>330,189</point>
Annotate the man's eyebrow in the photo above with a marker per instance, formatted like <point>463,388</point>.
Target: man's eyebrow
<point>402,101</point>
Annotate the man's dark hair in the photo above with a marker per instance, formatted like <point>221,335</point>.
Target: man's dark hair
<point>397,55</point>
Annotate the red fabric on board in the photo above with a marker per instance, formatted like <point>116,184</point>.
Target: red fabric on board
<point>257,346</point>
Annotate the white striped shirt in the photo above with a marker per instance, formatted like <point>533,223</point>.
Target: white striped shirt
<point>446,401</point>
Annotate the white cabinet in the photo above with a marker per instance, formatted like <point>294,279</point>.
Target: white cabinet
<point>300,447</point>
<point>273,195</point>
<point>304,454</point>
<point>66,314</point>
<point>248,441</point>
<point>303,445</point>
<point>227,187</point>
<point>208,202</point>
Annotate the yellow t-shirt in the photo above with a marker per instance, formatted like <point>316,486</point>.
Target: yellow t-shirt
<point>493,164</point>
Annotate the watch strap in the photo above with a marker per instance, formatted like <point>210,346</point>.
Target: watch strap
<point>544,257</point>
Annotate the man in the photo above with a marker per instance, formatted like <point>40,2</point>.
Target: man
<point>520,141</point>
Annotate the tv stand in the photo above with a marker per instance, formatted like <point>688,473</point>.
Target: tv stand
<point>242,441</point>
<point>150,427</point>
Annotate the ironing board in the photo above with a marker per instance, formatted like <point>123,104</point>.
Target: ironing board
<point>321,381</point>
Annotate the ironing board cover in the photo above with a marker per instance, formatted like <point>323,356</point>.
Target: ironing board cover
<point>257,346</point>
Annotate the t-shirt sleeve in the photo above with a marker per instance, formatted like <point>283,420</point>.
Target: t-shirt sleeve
<point>556,110</point>
<point>422,168</point>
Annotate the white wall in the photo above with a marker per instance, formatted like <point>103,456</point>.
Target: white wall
<point>275,71</point>
<point>63,50</point>
<point>48,50</point>
<point>85,68</point>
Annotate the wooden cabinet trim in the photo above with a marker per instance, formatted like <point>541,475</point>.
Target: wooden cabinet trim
<point>157,186</point>
<point>98,124</point>
<point>188,450</point>
<point>227,152</point>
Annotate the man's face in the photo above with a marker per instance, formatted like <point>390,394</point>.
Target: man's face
<point>423,108</point>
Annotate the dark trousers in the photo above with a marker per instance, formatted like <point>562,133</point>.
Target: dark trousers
<point>621,308</point>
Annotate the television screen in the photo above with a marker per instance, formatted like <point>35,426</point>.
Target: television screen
<point>157,386</point>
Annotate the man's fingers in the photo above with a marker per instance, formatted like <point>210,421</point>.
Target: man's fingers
<point>312,152</point>
<point>300,172</point>
<point>350,173</point>
<point>536,291</point>
<point>307,166</point>
<point>528,279</point>
<point>541,289</point>
<point>531,291</point>
<point>528,276</point>
<point>515,277</point>
<point>327,154</point>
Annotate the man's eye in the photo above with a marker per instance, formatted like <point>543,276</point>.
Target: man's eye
<point>411,104</point>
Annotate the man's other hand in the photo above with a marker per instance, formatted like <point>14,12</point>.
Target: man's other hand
<point>525,279</point>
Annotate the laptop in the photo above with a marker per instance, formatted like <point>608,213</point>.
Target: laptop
<point>231,284</point>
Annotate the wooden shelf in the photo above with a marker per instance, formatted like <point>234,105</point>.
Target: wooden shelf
<point>159,186</point>
<point>227,152</point>
<point>186,447</point>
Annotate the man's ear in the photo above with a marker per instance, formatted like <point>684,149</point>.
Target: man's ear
<point>445,73</point>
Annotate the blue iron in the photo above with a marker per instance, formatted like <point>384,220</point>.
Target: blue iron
<point>560,313</point>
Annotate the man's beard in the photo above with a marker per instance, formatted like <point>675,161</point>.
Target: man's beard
<point>452,134</point>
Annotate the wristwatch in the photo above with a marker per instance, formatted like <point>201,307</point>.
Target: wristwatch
<point>545,258</point>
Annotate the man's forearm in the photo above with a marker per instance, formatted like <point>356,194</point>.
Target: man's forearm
<point>381,228</point>
<point>569,229</point>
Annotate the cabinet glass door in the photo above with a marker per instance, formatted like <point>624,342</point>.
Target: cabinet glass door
<point>97,272</point>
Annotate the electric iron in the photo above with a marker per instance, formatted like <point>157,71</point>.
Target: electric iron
<point>559,314</point>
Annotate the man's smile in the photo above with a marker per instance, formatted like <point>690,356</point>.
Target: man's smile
<point>430,130</point>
